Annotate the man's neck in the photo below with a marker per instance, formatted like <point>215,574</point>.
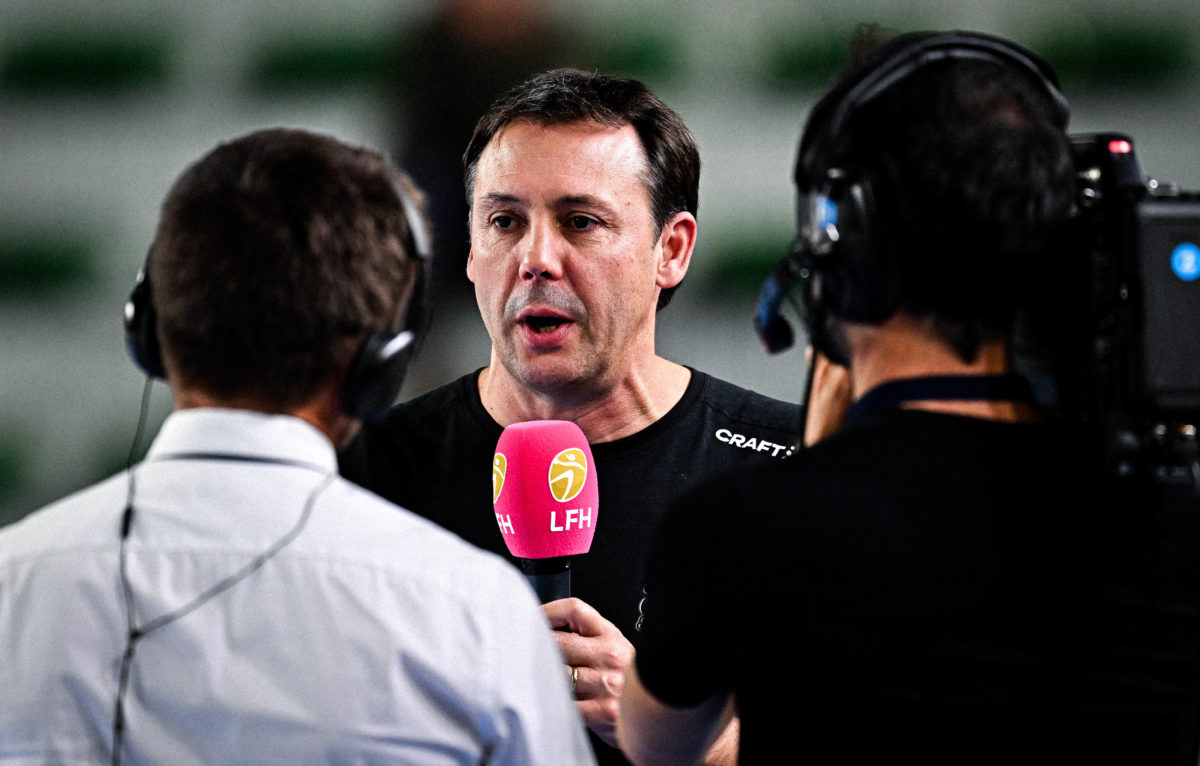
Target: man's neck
<point>604,413</point>
<point>903,348</point>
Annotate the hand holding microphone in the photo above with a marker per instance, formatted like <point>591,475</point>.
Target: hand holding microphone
<point>545,496</point>
<point>544,490</point>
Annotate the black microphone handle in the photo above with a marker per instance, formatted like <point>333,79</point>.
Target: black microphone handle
<point>550,578</point>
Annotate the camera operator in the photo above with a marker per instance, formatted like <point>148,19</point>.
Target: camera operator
<point>950,577</point>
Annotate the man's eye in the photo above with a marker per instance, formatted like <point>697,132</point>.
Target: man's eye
<point>581,222</point>
<point>503,221</point>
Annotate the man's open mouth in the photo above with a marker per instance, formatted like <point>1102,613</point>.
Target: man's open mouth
<point>544,325</point>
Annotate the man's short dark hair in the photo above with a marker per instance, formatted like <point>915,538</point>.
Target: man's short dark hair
<point>975,172</point>
<point>276,255</point>
<point>563,96</point>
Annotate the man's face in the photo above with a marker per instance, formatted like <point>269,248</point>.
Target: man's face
<point>565,258</point>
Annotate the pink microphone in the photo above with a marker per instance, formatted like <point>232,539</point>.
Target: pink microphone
<point>545,495</point>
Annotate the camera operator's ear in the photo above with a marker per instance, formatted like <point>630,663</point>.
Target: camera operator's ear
<point>830,395</point>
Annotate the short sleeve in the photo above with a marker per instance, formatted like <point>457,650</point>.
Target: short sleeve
<point>687,647</point>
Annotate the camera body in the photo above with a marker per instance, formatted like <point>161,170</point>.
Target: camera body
<point>1118,319</point>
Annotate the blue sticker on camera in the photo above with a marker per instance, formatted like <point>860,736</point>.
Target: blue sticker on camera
<point>1185,261</point>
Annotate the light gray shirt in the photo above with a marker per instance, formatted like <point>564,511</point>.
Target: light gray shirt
<point>371,636</point>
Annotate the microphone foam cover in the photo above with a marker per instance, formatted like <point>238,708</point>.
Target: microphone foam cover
<point>544,489</point>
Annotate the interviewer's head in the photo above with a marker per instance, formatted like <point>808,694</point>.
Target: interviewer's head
<point>277,254</point>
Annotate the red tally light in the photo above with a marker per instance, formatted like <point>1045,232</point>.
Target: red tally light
<point>1119,146</point>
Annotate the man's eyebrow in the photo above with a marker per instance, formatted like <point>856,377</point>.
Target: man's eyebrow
<point>585,200</point>
<point>497,198</point>
<point>501,199</point>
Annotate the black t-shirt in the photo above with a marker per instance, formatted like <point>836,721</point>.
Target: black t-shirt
<point>433,455</point>
<point>931,588</point>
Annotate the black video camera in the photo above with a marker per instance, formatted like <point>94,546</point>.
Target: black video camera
<point>1119,325</point>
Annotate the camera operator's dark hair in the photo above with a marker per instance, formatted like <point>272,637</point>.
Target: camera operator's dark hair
<point>563,96</point>
<point>975,174</point>
<point>276,255</point>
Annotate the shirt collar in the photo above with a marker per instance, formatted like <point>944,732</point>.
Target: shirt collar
<point>243,434</point>
<point>896,393</point>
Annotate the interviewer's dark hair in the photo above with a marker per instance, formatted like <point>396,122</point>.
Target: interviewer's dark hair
<point>276,255</point>
<point>975,173</point>
<point>562,96</point>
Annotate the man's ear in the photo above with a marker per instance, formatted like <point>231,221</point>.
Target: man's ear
<point>675,244</point>
<point>470,250</point>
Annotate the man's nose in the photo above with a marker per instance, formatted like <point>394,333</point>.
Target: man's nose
<point>542,257</point>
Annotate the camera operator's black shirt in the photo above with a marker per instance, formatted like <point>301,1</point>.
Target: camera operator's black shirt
<point>936,589</point>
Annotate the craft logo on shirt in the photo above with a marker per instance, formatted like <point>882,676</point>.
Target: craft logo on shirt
<point>756,444</point>
<point>499,468</point>
<point>568,472</point>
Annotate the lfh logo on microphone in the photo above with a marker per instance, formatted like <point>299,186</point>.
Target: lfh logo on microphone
<point>568,473</point>
<point>499,468</point>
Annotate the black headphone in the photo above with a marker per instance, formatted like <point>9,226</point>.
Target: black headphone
<point>377,371</point>
<point>842,256</point>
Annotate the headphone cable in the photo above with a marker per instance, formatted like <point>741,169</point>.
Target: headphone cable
<point>135,632</point>
<point>126,589</point>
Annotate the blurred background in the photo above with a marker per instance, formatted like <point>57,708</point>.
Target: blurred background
<point>103,104</point>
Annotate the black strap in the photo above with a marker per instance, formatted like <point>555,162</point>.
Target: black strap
<point>893,394</point>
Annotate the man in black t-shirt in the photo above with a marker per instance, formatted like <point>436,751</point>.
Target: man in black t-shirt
<point>949,578</point>
<point>583,192</point>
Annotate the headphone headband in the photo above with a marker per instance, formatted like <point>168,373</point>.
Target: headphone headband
<point>843,259</point>
<point>377,371</point>
<point>896,61</point>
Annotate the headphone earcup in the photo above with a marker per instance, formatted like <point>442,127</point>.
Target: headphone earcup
<point>141,329</point>
<point>377,374</point>
<point>857,274</point>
